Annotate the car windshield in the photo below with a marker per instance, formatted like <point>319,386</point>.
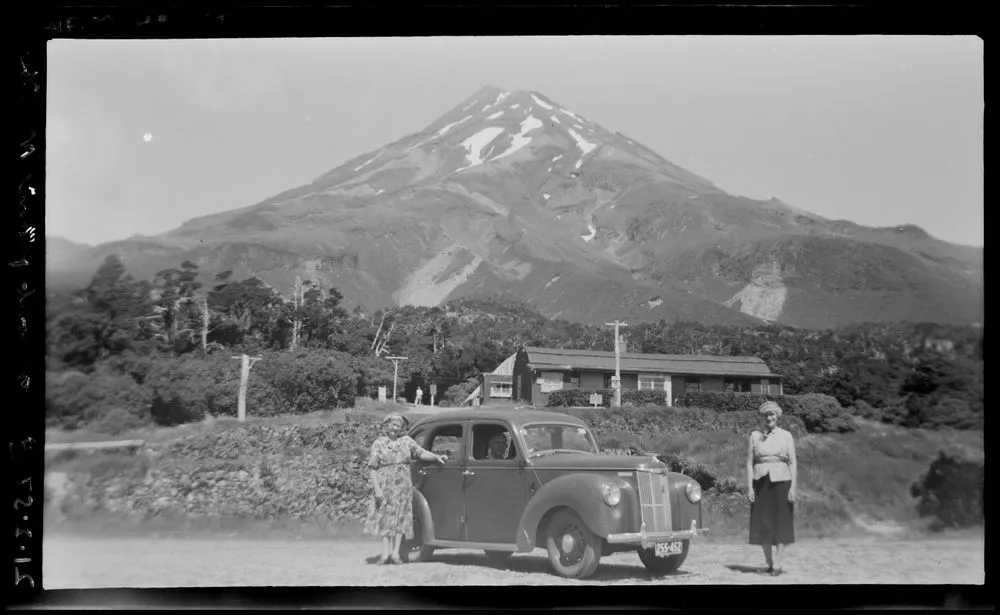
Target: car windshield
<point>554,438</point>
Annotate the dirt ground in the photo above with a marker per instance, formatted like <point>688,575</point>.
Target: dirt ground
<point>78,562</point>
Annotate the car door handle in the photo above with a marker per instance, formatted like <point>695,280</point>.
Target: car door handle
<point>468,473</point>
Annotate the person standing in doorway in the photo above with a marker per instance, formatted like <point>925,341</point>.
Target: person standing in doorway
<point>772,476</point>
<point>420,395</point>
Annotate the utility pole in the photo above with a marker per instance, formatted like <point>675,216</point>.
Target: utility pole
<point>247,363</point>
<point>395,374</point>
<point>617,382</point>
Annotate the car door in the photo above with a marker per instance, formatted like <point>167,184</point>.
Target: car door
<point>496,490</point>
<point>442,484</point>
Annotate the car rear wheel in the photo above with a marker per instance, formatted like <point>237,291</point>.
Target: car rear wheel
<point>574,551</point>
<point>498,559</point>
<point>661,566</point>
<point>413,550</point>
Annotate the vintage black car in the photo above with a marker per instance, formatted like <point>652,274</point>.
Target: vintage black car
<point>517,480</point>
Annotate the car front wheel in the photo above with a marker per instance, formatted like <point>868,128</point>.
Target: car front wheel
<point>660,566</point>
<point>574,551</point>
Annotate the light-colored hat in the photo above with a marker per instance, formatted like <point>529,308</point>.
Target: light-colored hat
<point>770,406</point>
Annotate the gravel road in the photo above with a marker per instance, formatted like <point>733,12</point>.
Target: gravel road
<point>74,562</point>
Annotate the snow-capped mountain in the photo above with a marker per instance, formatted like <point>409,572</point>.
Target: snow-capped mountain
<point>510,192</point>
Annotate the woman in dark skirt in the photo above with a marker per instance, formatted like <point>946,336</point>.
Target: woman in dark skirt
<point>772,477</point>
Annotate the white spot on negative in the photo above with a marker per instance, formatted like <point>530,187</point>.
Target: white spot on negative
<point>147,137</point>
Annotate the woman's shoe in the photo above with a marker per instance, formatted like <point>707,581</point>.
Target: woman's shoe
<point>382,561</point>
<point>395,559</point>
<point>776,572</point>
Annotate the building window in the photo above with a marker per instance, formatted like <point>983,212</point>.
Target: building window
<point>550,381</point>
<point>652,382</point>
<point>692,384</point>
<point>737,385</point>
<point>501,389</point>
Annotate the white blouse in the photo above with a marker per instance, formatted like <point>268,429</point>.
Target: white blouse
<point>773,454</point>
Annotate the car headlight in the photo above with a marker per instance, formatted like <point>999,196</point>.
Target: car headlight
<point>612,494</point>
<point>693,491</point>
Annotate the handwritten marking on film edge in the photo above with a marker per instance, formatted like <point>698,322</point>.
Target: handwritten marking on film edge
<point>27,445</point>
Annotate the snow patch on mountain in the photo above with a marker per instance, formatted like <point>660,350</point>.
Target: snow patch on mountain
<point>584,145</point>
<point>494,115</point>
<point>593,232</point>
<point>542,103</point>
<point>552,281</point>
<point>557,157</point>
<point>475,144</point>
<point>515,106</point>
<point>364,164</point>
<point>571,114</point>
<point>520,140</point>
<point>449,126</point>
<point>555,119</point>
<point>545,196</point>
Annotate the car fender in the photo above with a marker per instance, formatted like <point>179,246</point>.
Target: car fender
<point>578,492</point>
<point>423,509</point>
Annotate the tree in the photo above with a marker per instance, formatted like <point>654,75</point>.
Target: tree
<point>175,306</point>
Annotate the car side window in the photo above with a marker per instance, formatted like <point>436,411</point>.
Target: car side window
<point>446,440</point>
<point>493,441</point>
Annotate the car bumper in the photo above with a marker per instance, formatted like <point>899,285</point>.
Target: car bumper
<point>645,539</point>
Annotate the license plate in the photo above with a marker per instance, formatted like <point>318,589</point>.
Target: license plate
<point>666,549</point>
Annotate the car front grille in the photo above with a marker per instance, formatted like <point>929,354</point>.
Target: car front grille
<point>654,499</point>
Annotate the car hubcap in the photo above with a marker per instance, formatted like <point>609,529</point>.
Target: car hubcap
<point>571,546</point>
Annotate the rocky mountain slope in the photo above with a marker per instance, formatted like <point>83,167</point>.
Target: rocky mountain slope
<point>511,193</point>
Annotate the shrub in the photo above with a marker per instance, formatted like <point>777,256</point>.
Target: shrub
<point>579,398</point>
<point>456,394</point>
<point>73,400</point>
<point>650,421</point>
<point>736,402</point>
<point>118,420</point>
<point>698,471</point>
<point>643,398</point>
<point>822,413</point>
<point>951,491</point>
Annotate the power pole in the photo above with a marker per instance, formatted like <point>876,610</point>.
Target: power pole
<point>395,374</point>
<point>247,363</point>
<point>617,382</point>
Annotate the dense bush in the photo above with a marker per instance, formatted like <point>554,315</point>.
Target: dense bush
<point>951,491</point>
<point>580,398</point>
<point>648,422</point>
<point>75,400</point>
<point>736,402</point>
<point>644,398</point>
<point>820,413</point>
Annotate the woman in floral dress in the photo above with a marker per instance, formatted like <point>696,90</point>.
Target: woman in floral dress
<point>390,513</point>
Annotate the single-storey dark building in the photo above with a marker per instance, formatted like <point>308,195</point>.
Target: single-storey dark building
<point>539,371</point>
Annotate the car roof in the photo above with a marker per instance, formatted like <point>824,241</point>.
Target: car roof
<point>516,417</point>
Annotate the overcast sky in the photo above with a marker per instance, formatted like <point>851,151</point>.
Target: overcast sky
<point>143,135</point>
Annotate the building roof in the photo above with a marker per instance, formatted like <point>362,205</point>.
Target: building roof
<point>558,359</point>
<point>507,367</point>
